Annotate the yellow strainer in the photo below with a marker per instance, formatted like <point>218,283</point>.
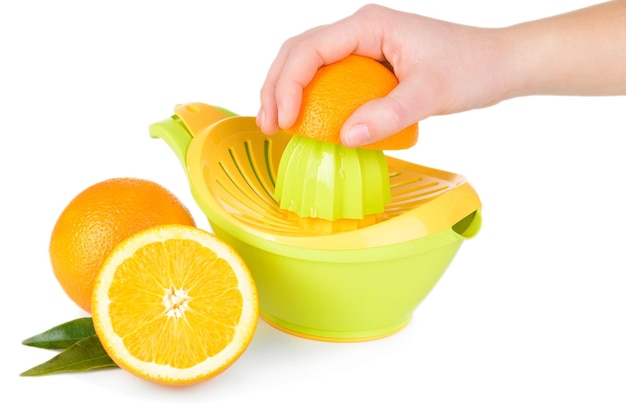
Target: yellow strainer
<point>340,280</point>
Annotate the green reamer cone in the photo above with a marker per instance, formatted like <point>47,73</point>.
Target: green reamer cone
<point>318,179</point>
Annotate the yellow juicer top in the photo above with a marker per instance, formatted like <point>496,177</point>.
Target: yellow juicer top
<point>232,166</point>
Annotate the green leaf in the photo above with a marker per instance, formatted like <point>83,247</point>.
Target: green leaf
<point>63,336</point>
<point>86,354</point>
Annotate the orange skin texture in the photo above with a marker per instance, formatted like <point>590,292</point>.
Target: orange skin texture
<point>337,90</point>
<point>97,220</point>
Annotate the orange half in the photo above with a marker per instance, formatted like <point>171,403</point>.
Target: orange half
<point>174,305</point>
<point>337,90</point>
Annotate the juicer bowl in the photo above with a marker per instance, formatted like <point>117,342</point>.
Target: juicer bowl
<point>334,281</point>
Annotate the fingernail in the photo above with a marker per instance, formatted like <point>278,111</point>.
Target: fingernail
<point>358,135</point>
<point>281,115</point>
<point>260,118</point>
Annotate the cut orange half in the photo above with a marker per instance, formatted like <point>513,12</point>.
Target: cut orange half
<point>175,305</point>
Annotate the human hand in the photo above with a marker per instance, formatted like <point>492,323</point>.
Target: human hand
<point>441,67</point>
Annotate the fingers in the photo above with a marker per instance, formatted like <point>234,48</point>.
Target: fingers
<point>281,93</point>
<point>299,59</point>
<point>383,117</point>
<point>267,117</point>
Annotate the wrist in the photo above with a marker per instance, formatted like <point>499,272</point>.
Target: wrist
<point>518,62</point>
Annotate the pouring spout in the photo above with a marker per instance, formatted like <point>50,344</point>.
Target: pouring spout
<point>189,121</point>
<point>175,135</point>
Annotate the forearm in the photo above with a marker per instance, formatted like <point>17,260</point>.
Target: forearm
<point>578,53</point>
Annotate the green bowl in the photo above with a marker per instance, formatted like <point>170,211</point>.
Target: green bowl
<point>340,285</point>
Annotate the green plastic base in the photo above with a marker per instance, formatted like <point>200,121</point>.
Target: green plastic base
<point>333,335</point>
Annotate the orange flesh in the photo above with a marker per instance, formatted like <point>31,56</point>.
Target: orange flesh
<point>189,306</point>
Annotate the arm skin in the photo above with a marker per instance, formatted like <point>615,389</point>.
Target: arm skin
<point>446,68</point>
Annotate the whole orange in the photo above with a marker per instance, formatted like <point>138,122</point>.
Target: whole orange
<point>97,220</point>
<point>337,90</point>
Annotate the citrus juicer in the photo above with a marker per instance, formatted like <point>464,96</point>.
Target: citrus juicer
<point>343,280</point>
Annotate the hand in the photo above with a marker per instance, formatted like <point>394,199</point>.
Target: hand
<point>445,68</point>
<point>442,68</point>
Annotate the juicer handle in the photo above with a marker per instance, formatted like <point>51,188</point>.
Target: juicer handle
<point>189,121</point>
<point>469,226</point>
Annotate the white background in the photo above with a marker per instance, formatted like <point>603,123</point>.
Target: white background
<point>532,310</point>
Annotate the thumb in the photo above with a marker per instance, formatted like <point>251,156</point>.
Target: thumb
<point>382,117</point>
